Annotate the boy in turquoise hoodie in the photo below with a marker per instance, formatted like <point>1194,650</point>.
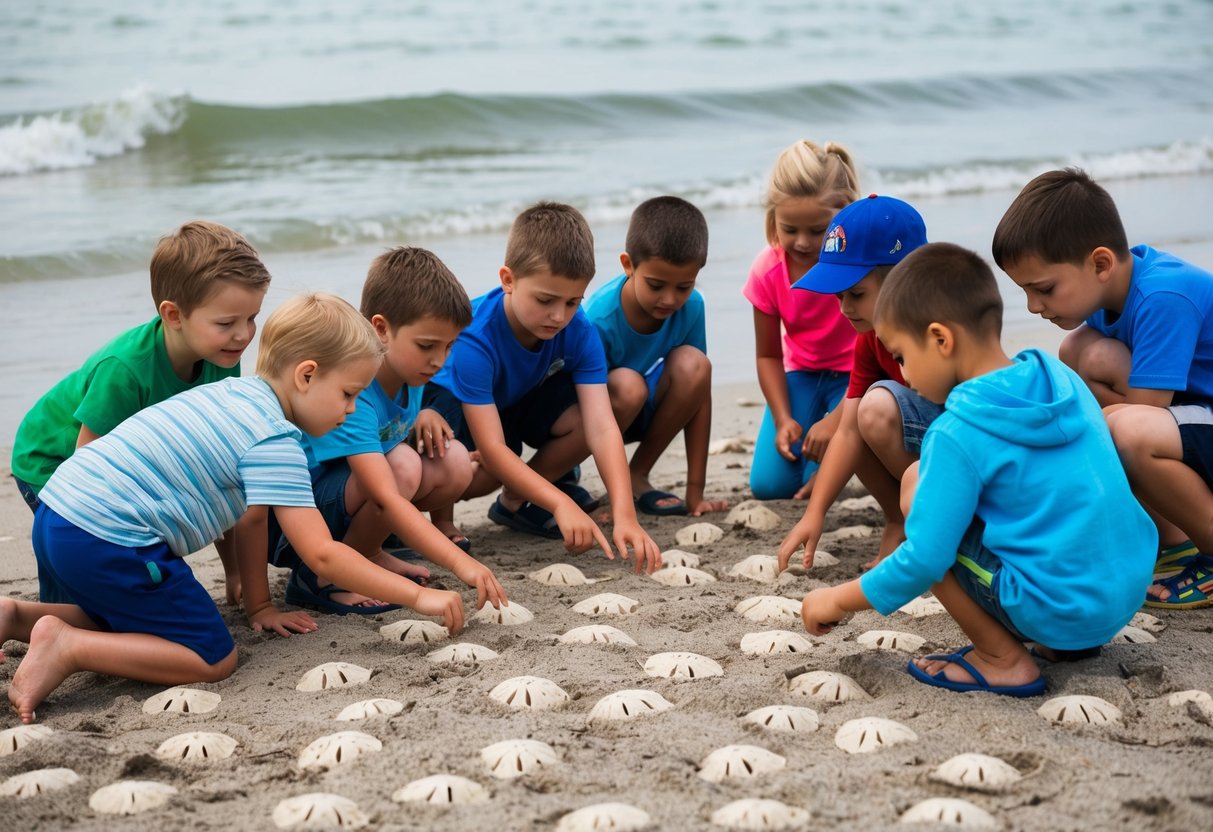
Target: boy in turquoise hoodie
<point>1018,492</point>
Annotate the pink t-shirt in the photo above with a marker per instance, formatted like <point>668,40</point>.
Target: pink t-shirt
<point>815,334</point>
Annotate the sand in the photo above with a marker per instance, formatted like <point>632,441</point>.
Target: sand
<point>1151,770</point>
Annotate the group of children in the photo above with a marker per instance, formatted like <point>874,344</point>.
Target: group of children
<point>1032,514</point>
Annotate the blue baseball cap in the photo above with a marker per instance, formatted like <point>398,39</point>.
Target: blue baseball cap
<point>877,231</point>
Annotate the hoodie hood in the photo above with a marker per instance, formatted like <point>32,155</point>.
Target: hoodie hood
<point>1034,402</point>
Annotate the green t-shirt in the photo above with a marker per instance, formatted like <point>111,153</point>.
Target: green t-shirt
<point>120,379</point>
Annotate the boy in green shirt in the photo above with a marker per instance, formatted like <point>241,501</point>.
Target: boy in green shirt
<point>208,284</point>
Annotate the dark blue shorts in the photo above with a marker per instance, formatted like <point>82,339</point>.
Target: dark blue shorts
<point>1195,423</point>
<point>122,589</point>
<point>527,421</point>
<point>328,487</point>
<point>917,414</point>
<point>976,569</point>
<point>639,428</point>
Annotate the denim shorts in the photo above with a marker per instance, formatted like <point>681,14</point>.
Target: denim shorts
<point>328,487</point>
<point>527,421</point>
<point>1195,423</point>
<point>976,570</point>
<point>917,413</point>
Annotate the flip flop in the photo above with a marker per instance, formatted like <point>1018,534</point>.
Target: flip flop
<point>939,680</point>
<point>461,541</point>
<point>303,590</point>
<point>649,500</point>
<point>1197,591</point>
<point>528,519</point>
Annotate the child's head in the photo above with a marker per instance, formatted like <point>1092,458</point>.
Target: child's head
<point>939,296</point>
<point>1059,241</point>
<point>808,186</point>
<point>549,262</point>
<point>667,245</point>
<point>318,353</point>
<point>863,243</point>
<point>417,308</point>
<point>208,284</point>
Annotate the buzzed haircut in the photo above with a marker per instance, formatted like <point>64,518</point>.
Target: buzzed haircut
<point>406,284</point>
<point>668,228</point>
<point>191,263</point>
<point>1059,217</point>
<point>941,283</point>
<point>554,236</point>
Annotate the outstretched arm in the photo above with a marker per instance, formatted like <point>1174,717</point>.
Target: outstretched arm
<point>250,542</point>
<point>773,380</point>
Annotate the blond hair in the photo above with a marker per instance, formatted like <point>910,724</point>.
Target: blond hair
<point>189,264</point>
<point>804,169</point>
<point>317,327</point>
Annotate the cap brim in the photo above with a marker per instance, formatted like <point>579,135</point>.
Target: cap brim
<point>831,278</point>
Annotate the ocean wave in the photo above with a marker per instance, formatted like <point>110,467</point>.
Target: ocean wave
<point>80,137</point>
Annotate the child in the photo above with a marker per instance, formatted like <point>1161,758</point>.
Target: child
<point>208,284</point>
<point>1142,339</point>
<point>119,516</point>
<point>882,424</point>
<point>803,343</point>
<point>1019,496</point>
<point>530,369</point>
<point>367,478</point>
<point>651,322</point>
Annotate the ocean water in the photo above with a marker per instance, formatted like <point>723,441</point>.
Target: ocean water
<point>325,131</point>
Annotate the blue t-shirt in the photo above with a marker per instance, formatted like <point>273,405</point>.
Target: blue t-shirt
<point>378,424</point>
<point>488,365</point>
<point>184,470</point>
<point>1025,449</point>
<point>639,351</point>
<point>1167,324</point>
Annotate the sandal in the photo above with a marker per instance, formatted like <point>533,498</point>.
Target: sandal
<point>528,519</point>
<point>568,485</point>
<point>1189,589</point>
<point>1174,559</point>
<point>303,590</point>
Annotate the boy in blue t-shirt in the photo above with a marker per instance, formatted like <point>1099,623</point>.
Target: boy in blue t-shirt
<point>651,322</point>
<point>530,369</point>
<point>1141,337</point>
<point>391,460</point>
<point>1022,522</point>
<point>118,517</point>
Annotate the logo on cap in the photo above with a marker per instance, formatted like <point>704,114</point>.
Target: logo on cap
<point>836,241</point>
<point>896,248</point>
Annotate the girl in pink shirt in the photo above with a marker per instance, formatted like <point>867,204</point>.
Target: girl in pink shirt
<point>802,341</point>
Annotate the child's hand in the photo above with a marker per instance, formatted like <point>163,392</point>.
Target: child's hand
<point>818,439</point>
<point>629,534</point>
<point>702,507</point>
<point>805,533</point>
<point>478,576</point>
<point>786,435</point>
<point>820,610</point>
<point>282,623</point>
<point>432,434</point>
<point>444,604</point>
<point>579,530</point>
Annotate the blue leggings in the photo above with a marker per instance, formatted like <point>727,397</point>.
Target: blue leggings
<point>811,394</point>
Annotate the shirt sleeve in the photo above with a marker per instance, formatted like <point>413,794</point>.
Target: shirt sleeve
<point>1165,330</point>
<point>944,507</point>
<point>472,373</point>
<point>757,289</point>
<point>865,368</point>
<point>585,347</point>
<point>113,394</point>
<point>697,334</point>
<point>359,434</point>
<point>274,473</point>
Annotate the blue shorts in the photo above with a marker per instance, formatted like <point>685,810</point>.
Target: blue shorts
<point>122,589</point>
<point>640,425</point>
<point>527,421</point>
<point>917,414</point>
<point>811,395</point>
<point>27,493</point>
<point>328,487</point>
<point>976,570</point>
<point>1195,423</point>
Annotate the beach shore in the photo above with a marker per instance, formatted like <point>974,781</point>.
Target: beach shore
<point>1149,770</point>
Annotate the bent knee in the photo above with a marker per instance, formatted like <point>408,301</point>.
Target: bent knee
<point>627,389</point>
<point>878,415</point>
<point>689,365</point>
<point>406,468</point>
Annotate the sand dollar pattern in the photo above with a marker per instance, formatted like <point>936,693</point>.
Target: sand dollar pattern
<point>739,762</point>
<point>682,576</point>
<point>752,813</point>
<point>514,758</point>
<point>332,675</point>
<point>412,630</point>
<point>464,653</point>
<point>979,772</point>
<point>606,603</point>
<point>784,718</point>
<point>869,733</point>
<point>605,817</point>
<point>38,781</point>
<point>1083,710</point>
<point>597,634</point>
<point>319,810</point>
<point>949,811</point>
<point>891,640</point>
<point>197,746</point>
<point>762,609</point>
<point>774,641</point>
<point>677,557</point>
<point>682,666</point>
<point>129,797</point>
<point>628,704</point>
<point>509,615</point>
<point>441,789</point>
<point>827,686</point>
<point>337,749</point>
<point>753,515</point>
<point>529,693</point>
<point>761,568</point>
<point>369,709</point>
<point>698,534</point>
<point>13,740</point>
<point>182,701</point>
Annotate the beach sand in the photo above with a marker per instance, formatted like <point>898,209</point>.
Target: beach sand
<point>1150,770</point>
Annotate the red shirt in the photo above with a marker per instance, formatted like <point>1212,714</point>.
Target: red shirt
<point>872,363</point>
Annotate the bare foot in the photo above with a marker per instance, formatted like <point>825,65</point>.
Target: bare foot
<point>452,532</point>
<point>1017,669</point>
<point>44,667</point>
<point>413,571</point>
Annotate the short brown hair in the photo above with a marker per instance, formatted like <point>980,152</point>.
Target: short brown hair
<point>668,228</point>
<point>189,263</point>
<point>941,283</point>
<point>554,236</point>
<point>318,327</point>
<point>1061,217</point>
<point>406,284</point>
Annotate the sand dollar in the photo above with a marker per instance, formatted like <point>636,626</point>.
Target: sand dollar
<point>739,762</point>
<point>441,789</point>
<point>866,734</point>
<point>628,704</point>
<point>529,693</point>
<point>698,534</point>
<point>319,810</point>
<point>601,817</point>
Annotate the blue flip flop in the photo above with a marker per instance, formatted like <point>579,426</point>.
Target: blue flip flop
<point>568,485</point>
<point>939,680</point>
<point>649,500</point>
<point>528,519</point>
<point>303,590</point>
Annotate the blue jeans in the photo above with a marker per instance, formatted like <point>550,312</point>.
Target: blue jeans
<point>811,395</point>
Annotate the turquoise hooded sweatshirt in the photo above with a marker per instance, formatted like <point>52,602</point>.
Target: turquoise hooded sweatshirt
<point>1026,449</point>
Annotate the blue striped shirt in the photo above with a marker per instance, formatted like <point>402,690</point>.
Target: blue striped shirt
<point>184,470</point>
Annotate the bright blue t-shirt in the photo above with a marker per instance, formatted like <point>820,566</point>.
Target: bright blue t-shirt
<point>1167,324</point>
<point>639,351</point>
<point>488,365</point>
<point>1026,449</point>
<point>378,424</point>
